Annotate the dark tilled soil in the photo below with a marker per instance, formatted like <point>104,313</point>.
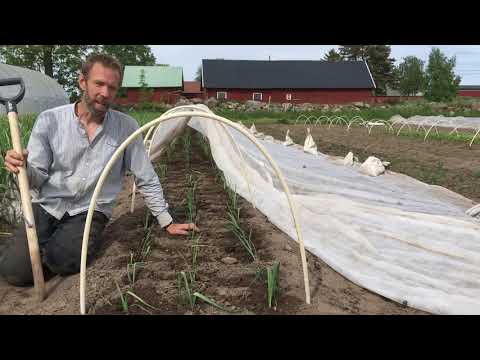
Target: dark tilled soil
<point>234,286</point>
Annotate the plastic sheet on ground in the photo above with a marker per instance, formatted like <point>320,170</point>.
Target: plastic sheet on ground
<point>394,235</point>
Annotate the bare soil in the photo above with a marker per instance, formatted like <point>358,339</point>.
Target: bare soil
<point>233,286</point>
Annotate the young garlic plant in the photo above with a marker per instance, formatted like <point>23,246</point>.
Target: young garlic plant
<point>124,301</point>
<point>270,274</point>
<point>186,284</point>
<point>188,296</point>
<point>187,147</point>
<point>135,262</point>
<point>132,267</point>
<point>233,218</point>
<point>190,197</point>
<point>205,146</point>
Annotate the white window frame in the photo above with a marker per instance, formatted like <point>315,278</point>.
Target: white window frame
<point>222,92</point>
<point>288,97</point>
<point>256,93</point>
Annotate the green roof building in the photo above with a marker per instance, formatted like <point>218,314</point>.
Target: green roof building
<point>155,76</point>
<point>160,84</point>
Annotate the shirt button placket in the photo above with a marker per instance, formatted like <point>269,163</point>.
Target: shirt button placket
<point>86,170</point>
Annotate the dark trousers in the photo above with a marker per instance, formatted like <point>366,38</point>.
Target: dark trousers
<point>60,243</point>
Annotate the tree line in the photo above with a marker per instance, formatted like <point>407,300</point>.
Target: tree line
<point>437,80</point>
<point>62,62</point>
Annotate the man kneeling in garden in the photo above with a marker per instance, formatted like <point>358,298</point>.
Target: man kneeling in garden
<point>67,151</point>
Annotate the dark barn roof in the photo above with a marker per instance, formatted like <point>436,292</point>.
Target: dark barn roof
<point>469,87</point>
<point>286,74</point>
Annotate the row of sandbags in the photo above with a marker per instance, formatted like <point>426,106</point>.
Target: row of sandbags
<point>372,166</point>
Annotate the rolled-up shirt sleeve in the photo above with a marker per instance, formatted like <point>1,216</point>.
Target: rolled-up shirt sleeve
<point>39,153</point>
<point>137,161</point>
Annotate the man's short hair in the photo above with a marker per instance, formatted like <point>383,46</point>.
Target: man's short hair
<point>105,60</point>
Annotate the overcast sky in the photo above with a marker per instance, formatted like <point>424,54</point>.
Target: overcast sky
<point>190,56</point>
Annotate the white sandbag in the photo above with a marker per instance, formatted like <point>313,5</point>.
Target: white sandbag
<point>396,119</point>
<point>288,140</point>
<point>254,131</point>
<point>348,161</point>
<point>309,146</point>
<point>259,135</point>
<point>372,166</point>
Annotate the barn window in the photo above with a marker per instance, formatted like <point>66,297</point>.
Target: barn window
<point>288,96</point>
<point>221,95</point>
<point>257,96</point>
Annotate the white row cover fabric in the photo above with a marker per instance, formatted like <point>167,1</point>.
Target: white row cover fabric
<point>164,134</point>
<point>442,121</point>
<point>396,236</point>
<point>41,91</point>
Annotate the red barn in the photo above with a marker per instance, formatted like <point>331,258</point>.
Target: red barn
<point>292,81</point>
<point>469,90</point>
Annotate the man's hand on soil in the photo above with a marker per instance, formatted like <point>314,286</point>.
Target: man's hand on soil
<point>181,229</point>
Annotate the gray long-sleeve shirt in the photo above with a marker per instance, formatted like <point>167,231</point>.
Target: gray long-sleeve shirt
<point>63,167</point>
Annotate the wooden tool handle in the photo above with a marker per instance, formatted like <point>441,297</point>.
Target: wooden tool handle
<point>33,247</point>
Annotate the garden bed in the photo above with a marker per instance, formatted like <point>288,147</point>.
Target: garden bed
<point>236,286</point>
